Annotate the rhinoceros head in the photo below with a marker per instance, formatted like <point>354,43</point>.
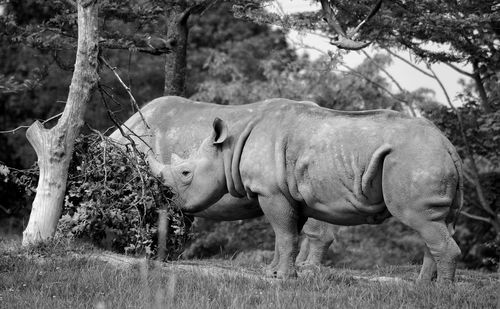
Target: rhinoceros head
<point>199,180</point>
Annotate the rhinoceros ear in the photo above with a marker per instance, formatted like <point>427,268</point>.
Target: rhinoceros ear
<point>220,131</point>
<point>175,159</point>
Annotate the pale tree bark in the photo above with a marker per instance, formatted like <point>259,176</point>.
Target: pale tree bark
<point>54,147</point>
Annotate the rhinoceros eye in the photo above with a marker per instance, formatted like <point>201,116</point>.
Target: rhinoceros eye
<point>185,173</point>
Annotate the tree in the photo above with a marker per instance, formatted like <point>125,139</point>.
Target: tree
<point>55,31</point>
<point>54,147</point>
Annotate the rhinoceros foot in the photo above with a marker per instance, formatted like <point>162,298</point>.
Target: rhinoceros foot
<point>276,273</point>
<point>308,270</point>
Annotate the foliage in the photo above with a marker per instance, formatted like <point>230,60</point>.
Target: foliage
<point>479,241</point>
<point>113,200</point>
<point>222,67</point>
<point>451,32</point>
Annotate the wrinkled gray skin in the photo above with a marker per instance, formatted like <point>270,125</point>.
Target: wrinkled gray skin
<point>178,126</point>
<point>347,168</point>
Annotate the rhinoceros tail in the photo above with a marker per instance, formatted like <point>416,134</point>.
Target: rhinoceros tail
<point>375,164</point>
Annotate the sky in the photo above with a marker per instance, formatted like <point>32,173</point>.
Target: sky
<point>408,77</point>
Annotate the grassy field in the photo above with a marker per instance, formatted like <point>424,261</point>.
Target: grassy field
<point>52,277</point>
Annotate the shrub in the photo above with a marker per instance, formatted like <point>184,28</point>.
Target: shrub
<point>113,200</point>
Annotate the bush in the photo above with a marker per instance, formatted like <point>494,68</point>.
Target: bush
<point>114,201</point>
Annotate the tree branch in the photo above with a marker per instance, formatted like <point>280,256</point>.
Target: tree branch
<point>393,79</point>
<point>408,62</point>
<point>471,216</point>
<point>26,127</point>
<point>346,40</point>
<point>454,67</point>
<point>117,124</point>
<point>66,40</point>
<point>378,85</point>
<point>127,88</point>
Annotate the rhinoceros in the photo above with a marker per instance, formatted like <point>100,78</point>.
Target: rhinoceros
<point>303,161</point>
<point>177,126</point>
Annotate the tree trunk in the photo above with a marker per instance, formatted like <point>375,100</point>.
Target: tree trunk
<point>175,62</point>
<point>480,88</point>
<point>54,147</point>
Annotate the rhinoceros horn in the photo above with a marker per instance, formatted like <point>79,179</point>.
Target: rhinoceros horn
<point>159,169</point>
<point>175,159</point>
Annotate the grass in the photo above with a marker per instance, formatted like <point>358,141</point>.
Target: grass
<point>50,277</point>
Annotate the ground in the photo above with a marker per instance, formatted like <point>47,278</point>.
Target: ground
<point>60,276</point>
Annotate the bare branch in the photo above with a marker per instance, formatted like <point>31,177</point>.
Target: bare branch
<point>132,99</point>
<point>381,68</point>
<point>408,62</point>
<point>454,67</point>
<point>117,124</point>
<point>153,45</point>
<point>378,85</point>
<point>383,88</point>
<point>26,127</point>
<point>393,79</point>
<point>471,216</point>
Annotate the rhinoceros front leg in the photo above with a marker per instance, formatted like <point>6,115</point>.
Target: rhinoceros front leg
<point>272,268</point>
<point>283,219</point>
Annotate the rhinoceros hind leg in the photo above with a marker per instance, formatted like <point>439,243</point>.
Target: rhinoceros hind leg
<point>429,268</point>
<point>319,236</point>
<point>283,219</point>
<point>317,251</point>
<point>438,240</point>
<point>303,252</point>
<point>443,249</point>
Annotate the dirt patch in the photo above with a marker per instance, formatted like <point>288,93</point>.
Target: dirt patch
<point>201,267</point>
<point>212,268</point>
